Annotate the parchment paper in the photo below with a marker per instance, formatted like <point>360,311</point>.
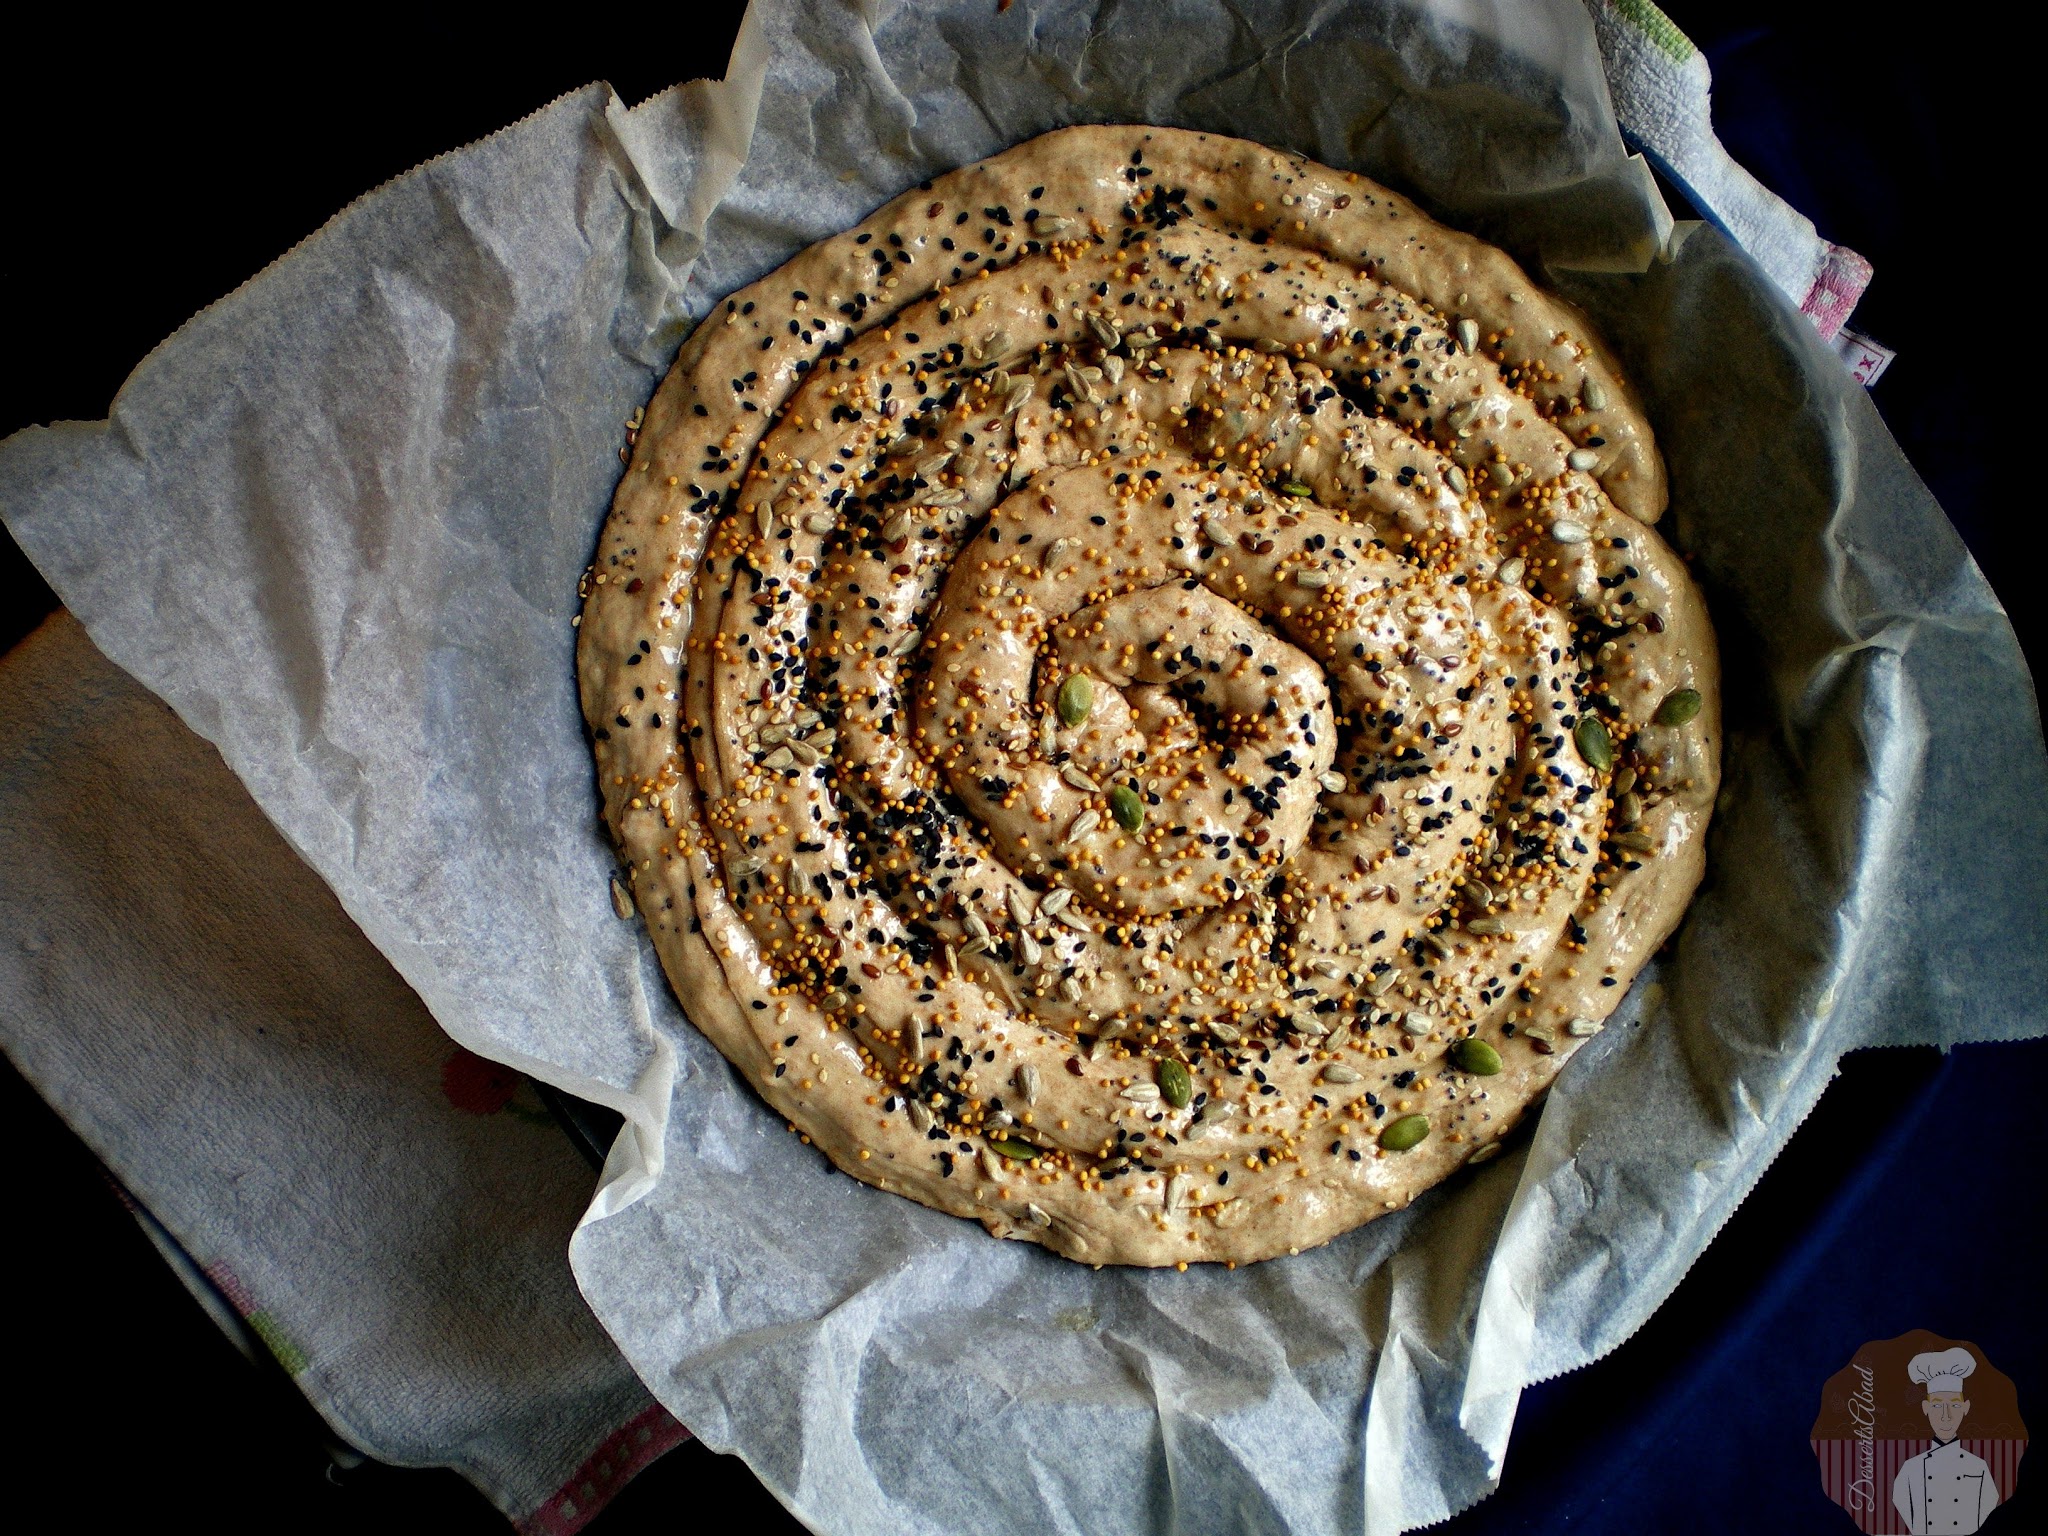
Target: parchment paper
<point>337,522</point>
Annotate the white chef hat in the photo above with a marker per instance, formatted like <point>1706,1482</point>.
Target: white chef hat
<point>1942,1369</point>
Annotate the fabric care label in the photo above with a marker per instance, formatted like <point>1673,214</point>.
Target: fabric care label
<point>1866,359</point>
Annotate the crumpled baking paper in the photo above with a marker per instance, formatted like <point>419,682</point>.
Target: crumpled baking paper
<point>337,522</point>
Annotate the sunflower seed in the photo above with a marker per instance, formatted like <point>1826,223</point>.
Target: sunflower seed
<point>1307,1024</point>
<point>993,346</point>
<point>1070,989</point>
<point>927,468</point>
<point>1338,1038</point>
<point>1583,1028</point>
<point>974,947</point>
<point>1021,391</point>
<point>1229,1034</point>
<point>764,518</point>
<point>897,528</point>
<point>1468,335</point>
<point>1311,578</point>
<point>834,1000</point>
<point>622,899</point>
<point>803,752</point>
<point>976,926</point>
<point>1072,773</point>
<point>908,643</point>
<point>1215,530</point>
<point>1141,1093</point>
<point>822,742</point>
<point>1592,394</point>
<point>1083,824</point>
<point>781,757</point>
<point>1035,1216</point>
<point>991,1165</point>
<point>1486,927</point>
<point>1383,983</point>
<point>920,1115</point>
<point>1105,331</point>
<point>1232,1212</point>
<point>1113,369</point>
<point>1027,1083</point>
<point>746,864</point>
<point>1511,571</point>
<point>1565,531</point>
<point>818,522</point>
<point>1503,476</point>
<point>1176,1197</point>
<point>1029,949</point>
<point>1637,842</point>
<point>945,496</point>
<point>1582,459</point>
<point>1334,782</point>
<point>1628,809</point>
<point>1454,477</point>
<point>1052,226</point>
<point>1323,965</point>
<point>1337,1072</point>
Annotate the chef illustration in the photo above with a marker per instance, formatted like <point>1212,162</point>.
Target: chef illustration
<point>1947,1489</point>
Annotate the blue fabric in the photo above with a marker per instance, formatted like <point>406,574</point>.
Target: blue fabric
<point>1700,1422</point>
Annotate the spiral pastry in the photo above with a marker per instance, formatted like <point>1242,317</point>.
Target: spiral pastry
<point>1138,697</point>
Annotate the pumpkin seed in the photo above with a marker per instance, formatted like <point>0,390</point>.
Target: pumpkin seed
<point>1175,1086</point>
<point>1594,744</point>
<point>1127,808</point>
<point>1296,488</point>
<point>1011,1147</point>
<point>1475,1056</point>
<point>1404,1133</point>
<point>1075,700</point>
<point>1679,707</point>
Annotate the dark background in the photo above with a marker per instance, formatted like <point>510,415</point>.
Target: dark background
<point>142,184</point>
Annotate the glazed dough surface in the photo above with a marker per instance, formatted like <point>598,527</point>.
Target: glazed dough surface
<point>1139,698</point>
